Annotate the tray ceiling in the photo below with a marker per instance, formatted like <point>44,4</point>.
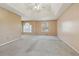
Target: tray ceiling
<point>36,11</point>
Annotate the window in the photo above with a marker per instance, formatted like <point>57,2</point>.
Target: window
<point>27,27</point>
<point>44,26</point>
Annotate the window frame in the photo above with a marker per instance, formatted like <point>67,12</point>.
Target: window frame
<point>23,22</point>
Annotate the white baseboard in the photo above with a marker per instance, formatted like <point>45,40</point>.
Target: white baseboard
<point>9,42</point>
<point>70,45</point>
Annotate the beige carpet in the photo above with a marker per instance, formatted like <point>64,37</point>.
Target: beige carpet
<point>37,46</point>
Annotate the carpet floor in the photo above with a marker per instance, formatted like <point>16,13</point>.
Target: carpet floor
<point>37,46</point>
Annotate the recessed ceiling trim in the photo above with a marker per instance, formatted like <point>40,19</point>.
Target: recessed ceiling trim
<point>41,11</point>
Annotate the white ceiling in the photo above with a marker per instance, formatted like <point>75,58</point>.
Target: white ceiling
<point>27,11</point>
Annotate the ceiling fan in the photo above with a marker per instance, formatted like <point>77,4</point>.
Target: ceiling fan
<point>37,6</point>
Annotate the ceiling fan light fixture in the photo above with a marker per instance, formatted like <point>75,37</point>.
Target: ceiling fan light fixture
<point>37,6</point>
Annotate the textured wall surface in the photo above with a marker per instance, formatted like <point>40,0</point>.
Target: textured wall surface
<point>68,27</point>
<point>9,26</point>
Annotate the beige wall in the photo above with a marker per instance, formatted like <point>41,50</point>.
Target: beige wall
<point>9,26</point>
<point>33,23</point>
<point>37,28</point>
<point>68,27</point>
<point>52,28</point>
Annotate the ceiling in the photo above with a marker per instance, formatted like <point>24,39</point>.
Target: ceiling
<point>37,11</point>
